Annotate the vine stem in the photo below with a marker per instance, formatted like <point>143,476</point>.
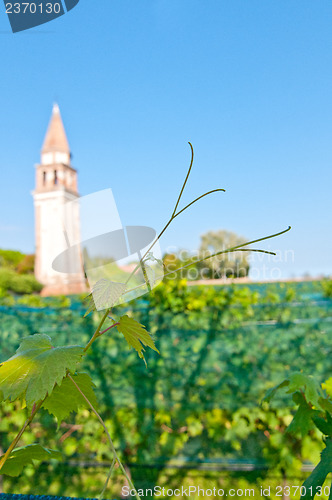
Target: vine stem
<point>19,435</point>
<point>108,436</point>
<point>100,497</point>
<point>98,333</point>
<point>175,213</point>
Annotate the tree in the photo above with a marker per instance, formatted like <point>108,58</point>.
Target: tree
<point>174,266</point>
<point>229,265</point>
<point>10,258</point>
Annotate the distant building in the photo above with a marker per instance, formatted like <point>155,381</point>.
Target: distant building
<point>56,184</point>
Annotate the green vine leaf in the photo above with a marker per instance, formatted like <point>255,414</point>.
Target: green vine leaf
<point>66,399</point>
<point>27,455</point>
<point>298,382</point>
<point>302,421</point>
<point>319,474</point>
<point>325,426</point>
<point>104,295</point>
<point>328,387</point>
<point>35,369</point>
<point>136,335</point>
<point>326,404</point>
<point>272,392</point>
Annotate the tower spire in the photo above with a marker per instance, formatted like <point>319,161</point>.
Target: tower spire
<point>56,140</point>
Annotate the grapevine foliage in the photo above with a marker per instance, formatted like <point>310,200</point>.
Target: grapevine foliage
<point>27,455</point>
<point>136,335</point>
<point>314,410</point>
<point>105,294</point>
<point>38,373</point>
<point>66,399</point>
<point>35,369</point>
<point>319,474</point>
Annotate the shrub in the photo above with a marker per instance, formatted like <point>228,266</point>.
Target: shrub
<point>327,288</point>
<point>18,283</point>
<point>10,258</point>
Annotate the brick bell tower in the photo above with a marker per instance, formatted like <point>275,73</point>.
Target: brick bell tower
<point>56,184</point>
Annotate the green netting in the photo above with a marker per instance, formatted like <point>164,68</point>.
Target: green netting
<point>215,366</point>
<point>206,357</point>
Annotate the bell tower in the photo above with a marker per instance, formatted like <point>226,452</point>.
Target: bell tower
<point>56,185</point>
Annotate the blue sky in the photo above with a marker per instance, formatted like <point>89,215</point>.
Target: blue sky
<point>248,83</point>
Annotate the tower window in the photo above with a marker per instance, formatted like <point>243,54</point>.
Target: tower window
<point>55,178</point>
<point>44,178</point>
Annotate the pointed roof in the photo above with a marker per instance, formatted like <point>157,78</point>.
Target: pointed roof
<point>56,139</point>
